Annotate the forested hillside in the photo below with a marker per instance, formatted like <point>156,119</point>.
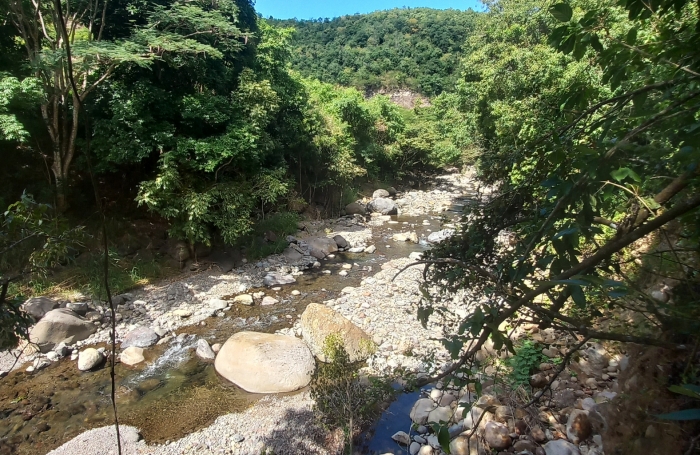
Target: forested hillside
<point>415,48</point>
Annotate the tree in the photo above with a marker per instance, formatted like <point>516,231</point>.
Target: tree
<point>610,157</point>
<point>63,38</point>
<point>48,30</point>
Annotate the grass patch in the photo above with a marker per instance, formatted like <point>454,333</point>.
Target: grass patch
<point>85,276</point>
<point>258,244</point>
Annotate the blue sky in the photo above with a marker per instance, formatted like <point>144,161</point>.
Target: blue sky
<point>312,9</point>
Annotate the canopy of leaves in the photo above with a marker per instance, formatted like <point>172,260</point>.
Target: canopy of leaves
<point>588,115</point>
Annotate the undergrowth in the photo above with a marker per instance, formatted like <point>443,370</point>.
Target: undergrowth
<point>258,244</point>
<point>525,362</point>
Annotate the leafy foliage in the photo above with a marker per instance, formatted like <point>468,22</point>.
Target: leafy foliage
<point>31,242</point>
<point>591,139</point>
<point>526,360</point>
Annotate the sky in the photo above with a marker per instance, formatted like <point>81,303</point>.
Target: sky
<point>313,9</point>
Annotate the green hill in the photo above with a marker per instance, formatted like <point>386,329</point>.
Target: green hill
<point>399,48</point>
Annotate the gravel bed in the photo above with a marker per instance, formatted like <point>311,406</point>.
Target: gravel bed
<point>279,425</point>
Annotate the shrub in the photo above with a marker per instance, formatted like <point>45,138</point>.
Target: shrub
<point>345,399</point>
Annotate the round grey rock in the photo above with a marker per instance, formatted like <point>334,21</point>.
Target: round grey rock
<point>141,337</point>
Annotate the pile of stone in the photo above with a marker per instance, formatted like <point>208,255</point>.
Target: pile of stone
<point>486,425</point>
<point>570,422</point>
<point>380,204</point>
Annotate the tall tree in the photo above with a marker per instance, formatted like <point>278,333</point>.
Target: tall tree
<point>49,29</point>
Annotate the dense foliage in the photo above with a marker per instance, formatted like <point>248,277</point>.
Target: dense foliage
<point>195,106</point>
<point>588,115</point>
<point>416,48</point>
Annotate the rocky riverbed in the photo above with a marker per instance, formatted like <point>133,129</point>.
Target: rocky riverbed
<point>170,332</point>
<point>324,261</point>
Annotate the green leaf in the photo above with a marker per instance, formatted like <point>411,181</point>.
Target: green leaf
<point>688,414</point>
<point>561,12</point>
<point>444,439</point>
<point>631,37</point>
<point>688,390</point>
<point>578,296</point>
<point>625,172</point>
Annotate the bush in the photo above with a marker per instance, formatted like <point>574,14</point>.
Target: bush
<point>525,362</point>
<point>344,399</point>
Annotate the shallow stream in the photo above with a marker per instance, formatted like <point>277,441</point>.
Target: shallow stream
<point>173,392</point>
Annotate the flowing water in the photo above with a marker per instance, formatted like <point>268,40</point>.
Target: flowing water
<point>173,392</point>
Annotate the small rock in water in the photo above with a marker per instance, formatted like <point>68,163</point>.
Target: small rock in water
<point>370,249</point>
<point>218,304</point>
<point>243,299</point>
<point>40,364</point>
<point>182,313</point>
<point>132,355</point>
<point>343,273</point>
<point>141,337</point>
<point>402,438</point>
<point>295,292</point>
<point>267,300</point>
<point>204,351</point>
<point>216,347</point>
<point>89,359</point>
<point>278,279</point>
<point>440,236</point>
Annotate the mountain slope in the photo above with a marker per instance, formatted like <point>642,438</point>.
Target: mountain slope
<point>399,48</point>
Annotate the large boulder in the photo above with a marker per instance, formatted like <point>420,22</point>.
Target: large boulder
<point>463,445</point>
<point>37,307</point>
<point>340,241</point>
<point>318,322</point>
<point>132,356</point>
<point>496,435</point>
<point>380,193</point>
<point>321,246</point>
<point>421,410</point>
<point>265,363</point>
<point>59,325</point>
<point>141,337</point>
<point>355,208</point>
<point>578,427</point>
<point>384,206</point>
